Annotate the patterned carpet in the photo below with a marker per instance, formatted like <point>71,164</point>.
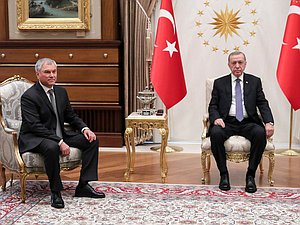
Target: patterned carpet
<point>136,203</point>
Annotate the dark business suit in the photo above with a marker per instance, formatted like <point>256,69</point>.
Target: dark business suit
<point>251,128</point>
<point>38,133</point>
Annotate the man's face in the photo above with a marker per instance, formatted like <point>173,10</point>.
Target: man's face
<point>237,64</point>
<point>47,75</point>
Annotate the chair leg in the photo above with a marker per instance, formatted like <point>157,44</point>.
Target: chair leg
<point>205,162</point>
<point>208,162</point>
<point>261,166</point>
<point>2,178</point>
<point>271,157</point>
<point>23,177</point>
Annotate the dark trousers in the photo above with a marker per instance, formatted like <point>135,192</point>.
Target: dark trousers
<point>254,132</point>
<point>50,151</point>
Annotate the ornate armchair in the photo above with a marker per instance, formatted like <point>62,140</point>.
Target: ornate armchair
<point>237,147</point>
<point>28,163</point>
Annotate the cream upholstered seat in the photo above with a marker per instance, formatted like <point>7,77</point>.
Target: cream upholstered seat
<point>237,147</point>
<point>11,91</point>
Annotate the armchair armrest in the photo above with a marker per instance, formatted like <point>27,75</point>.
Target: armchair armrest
<point>9,151</point>
<point>205,121</point>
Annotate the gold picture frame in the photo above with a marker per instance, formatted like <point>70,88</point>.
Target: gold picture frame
<point>48,21</point>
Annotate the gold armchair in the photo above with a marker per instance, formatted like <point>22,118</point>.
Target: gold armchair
<point>28,163</point>
<point>237,147</point>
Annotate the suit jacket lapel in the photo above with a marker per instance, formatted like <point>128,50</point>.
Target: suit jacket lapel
<point>246,87</point>
<point>44,96</point>
<point>228,87</point>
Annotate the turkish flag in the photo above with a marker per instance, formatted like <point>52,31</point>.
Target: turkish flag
<point>288,71</point>
<point>167,73</point>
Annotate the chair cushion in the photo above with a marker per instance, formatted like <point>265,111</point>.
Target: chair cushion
<point>34,162</point>
<point>235,144</point>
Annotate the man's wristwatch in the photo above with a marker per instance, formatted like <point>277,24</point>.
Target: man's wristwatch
<point>272,124</point>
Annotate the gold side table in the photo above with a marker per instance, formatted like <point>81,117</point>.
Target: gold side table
<point>134,120</point>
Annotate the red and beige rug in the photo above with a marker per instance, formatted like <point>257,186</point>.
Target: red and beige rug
<point>136,203</point>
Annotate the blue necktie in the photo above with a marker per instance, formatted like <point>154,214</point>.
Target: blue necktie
<point>238,101</point>
<point>53,103</point>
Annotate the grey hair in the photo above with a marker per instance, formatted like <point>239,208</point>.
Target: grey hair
<point>236,53</point>
<point>41,62</point>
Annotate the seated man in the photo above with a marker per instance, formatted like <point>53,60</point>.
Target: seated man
<point>45,107</point>
<point>233,111</point>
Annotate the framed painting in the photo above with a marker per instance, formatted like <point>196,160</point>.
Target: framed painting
<point>53,15</point>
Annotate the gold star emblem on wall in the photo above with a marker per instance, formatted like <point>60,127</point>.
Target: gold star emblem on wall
<point>226,23</point>
<point>225,26</point>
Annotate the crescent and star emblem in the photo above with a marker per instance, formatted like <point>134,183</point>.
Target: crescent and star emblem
<point>170,46</point>
<point>294,10</point>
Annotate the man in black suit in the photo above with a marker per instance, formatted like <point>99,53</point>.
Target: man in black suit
<point>233,111</point>
<point>42,131</point>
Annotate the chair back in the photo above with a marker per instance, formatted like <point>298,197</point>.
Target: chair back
<point>11,91</point>
<point>209,86</point>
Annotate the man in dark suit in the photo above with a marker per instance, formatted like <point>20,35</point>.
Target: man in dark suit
<point>45,107</point>
<point>233,111</point>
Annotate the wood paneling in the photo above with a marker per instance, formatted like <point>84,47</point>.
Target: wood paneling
<point>91,74</point>
<point>93,94</point>
<point>3,20</point>
<point>60,55</point>
<point>105,121</point>
<point>67,73</point>
<point>110,19</point>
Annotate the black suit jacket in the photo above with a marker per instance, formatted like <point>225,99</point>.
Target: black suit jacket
<point>254,98</point>
<point>39,120</point>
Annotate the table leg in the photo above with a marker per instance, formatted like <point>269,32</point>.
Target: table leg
<point>131,136</point>
<point>127,135</point>
<point>163,162</point>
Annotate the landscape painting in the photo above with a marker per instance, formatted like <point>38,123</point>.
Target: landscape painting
<point>53,9</point>
<point>53,14</point>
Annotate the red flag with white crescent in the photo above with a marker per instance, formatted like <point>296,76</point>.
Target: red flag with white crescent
<point>288,71</point>
<point>167,74</point>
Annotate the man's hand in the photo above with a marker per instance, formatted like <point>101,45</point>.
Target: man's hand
<point>89,135</point>
<point>64,149</point>
<point>269,130</point>
<point>219,122</point>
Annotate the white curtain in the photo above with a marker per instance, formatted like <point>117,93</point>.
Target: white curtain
<point>259,35</point>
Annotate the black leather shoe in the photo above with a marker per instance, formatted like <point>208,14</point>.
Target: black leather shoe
<point>88,191</point>
<point>250,184</point>
<point>56,200</point>
<point>224,182</point>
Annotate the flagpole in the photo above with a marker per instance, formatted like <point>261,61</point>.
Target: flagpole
<point>290,151</point>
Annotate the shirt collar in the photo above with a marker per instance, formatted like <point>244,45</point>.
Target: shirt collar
<point>233,78</point>
<point>46,89</point>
